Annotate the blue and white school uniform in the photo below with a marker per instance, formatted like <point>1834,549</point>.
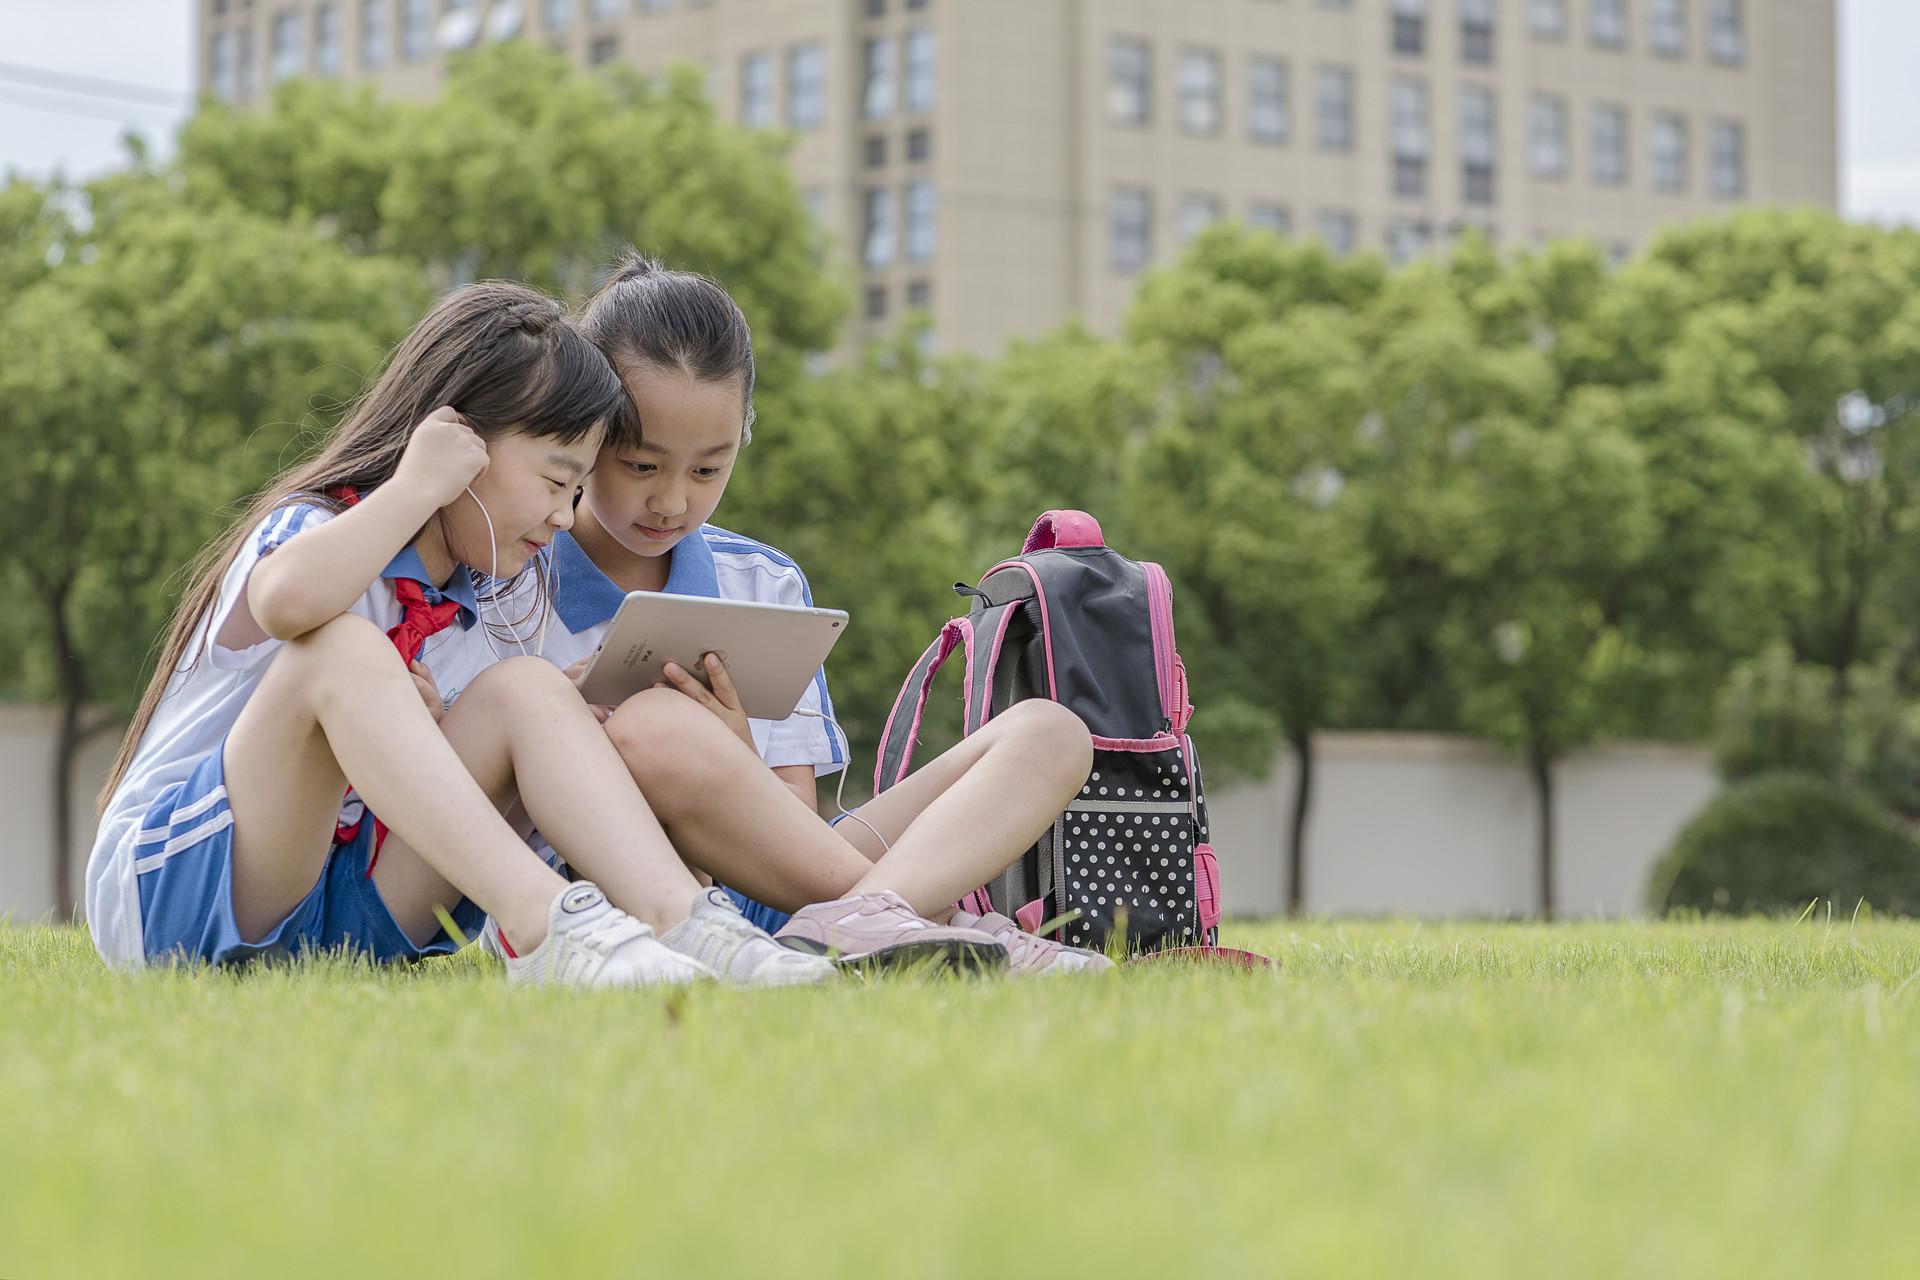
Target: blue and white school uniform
<point>160,878</point>
<point>721,565</point>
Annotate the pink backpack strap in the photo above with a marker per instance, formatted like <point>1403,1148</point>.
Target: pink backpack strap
<point>902,730</point>
<point>1058,529</point>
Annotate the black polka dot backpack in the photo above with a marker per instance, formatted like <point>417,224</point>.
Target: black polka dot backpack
<point>1128,863</point>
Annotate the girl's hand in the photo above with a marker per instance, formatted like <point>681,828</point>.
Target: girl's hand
<point>722,699</point>
<point>578,672</point>
<point>443,456</point>
<point>429,691</point>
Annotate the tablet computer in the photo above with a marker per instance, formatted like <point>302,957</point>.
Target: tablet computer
<point>771,650</point>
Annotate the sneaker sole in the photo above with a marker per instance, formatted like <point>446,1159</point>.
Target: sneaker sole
<point>941,957</point>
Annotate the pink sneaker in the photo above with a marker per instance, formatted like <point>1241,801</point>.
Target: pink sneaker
<point>879,930</point>
<point>1028,954</point>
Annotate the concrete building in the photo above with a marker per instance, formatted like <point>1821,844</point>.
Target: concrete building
<point>1004,164</point>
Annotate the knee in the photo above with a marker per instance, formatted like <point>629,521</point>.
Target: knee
<point>666,738</point>
<point>520,679</point>
<point>1052,737</point>
<point>347,640</point>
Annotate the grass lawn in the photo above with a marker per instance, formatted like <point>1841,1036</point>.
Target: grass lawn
<point>1607,1099</point>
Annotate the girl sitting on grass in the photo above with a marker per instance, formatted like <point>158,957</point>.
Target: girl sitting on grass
<point>736,795</point>
<point>306,658</point>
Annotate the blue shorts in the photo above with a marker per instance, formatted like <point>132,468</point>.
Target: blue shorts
<point>760,913</point>
<point>184,867</point>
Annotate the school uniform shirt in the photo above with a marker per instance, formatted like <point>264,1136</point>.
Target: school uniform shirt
<point>204,698</point>
<point>709,562</point>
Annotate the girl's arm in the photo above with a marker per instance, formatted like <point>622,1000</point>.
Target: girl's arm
<point>317,576</point>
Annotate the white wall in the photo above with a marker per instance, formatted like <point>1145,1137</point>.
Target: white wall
<point>1426,825</point>
<point>1404,824</point>
<point>27,737</point>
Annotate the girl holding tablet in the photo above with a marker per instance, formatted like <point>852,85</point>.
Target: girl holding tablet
<point>307,661</point>
<point>737,795</point>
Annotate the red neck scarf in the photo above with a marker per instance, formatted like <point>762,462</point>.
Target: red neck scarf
<point>419,618</point>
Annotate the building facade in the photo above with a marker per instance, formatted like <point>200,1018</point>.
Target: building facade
<point>1004,164</point>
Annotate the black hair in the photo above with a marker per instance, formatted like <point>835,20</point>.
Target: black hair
<point>645,316</point>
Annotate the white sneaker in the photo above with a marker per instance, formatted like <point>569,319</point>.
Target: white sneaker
<point>743,954</point>
<point>592,943</point>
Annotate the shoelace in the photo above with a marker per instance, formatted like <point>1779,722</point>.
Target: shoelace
<point>609,932</point>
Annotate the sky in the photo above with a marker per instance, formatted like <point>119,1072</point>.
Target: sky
<point>149,43</point>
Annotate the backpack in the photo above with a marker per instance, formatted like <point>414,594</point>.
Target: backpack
<point>1073,620</point>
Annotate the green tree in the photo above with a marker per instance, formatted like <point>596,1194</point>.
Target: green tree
<point>1261,394</point>
<point>160,370</point>
<point>526,168</point>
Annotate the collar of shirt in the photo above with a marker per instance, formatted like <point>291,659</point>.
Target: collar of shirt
<point>585,597</point>
<point>459,588</point>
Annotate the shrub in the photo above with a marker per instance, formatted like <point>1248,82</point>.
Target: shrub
<point>1777,841</point>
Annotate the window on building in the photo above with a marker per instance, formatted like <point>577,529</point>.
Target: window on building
<point>1607,23</point>
<point>878,97</point>
<point>603,10</point>
<point>876,241</point>
<point>1265,215</point>
<point>1479,144</point>
<point>1197,213</point>
<point>1408,19</point>
<point>373,34</point>
<point>876,151</point>
<point>1407,240</point>
<point>919,295</point>
<point>1547,136</point>
<point>603,49</point>
<point>1130,228</point>
<point>920,71</point>
<point>756,90</point>
<point>922,220</point>
<point>652,6</point>
<point>1669,151</point>
<point>1610,145</point>
<point>1727,159</point>
<point>416,28</point>
<point>1667,27</point>
<point>1269,118</point>
<point>1198,86</point>
<point>1547,19</point>
<point>285,57</point>
<point>1726,31</point>
<point>876,8</point>
<point>1338,230</point>
<point>1477,18</point>
<point>806,86</point>
<point>243,63</point>
<point>328,57</point>
<point>1408,140</point>
<point>919,146</point>
<point>1129,81</point>
<point>220,72</point>
<point>506,19</point>
<point>556,15</point>
<point>1333,108</point>
<point>459,25</point>
<point>877,302</point>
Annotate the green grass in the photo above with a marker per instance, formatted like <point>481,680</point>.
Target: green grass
<point>1690,1099</point>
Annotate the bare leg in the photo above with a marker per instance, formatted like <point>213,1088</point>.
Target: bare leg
<point>521,731</point>
<point>959,822</point>
<point>334,705</point>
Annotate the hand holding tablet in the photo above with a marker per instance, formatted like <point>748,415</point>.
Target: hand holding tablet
<point>771,650</point>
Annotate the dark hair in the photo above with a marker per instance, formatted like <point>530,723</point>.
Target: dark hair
<point>501,354</point>
<point>644,316</point>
